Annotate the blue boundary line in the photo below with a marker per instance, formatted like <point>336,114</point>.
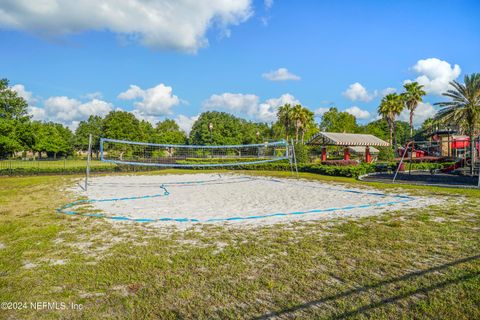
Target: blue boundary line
<point>63,209</point>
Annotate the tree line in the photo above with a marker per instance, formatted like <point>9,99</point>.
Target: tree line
<point>19,133</point>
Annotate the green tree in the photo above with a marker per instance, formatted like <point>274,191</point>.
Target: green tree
<point>8,138</point>
<point>284,116</point>
<point>309,127</point>
<point>12,106</point>
<point>335,121</point>
<point>464,108</point>
<point>412,96</point>
<point>227,129</point>
<point>390,107</point>
<point>428,124</point>
<point>25,134</point>
<point>303,121</point>
<point>122,125</point>
<point>168,131</point>
<point>93,126</point>
<point>378,128</point>
<point>147,132</point>
<point>53,139</point>
<point>402,132</point>
<point>296,115</point>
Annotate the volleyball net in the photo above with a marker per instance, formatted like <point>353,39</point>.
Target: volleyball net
<point>173,155</point>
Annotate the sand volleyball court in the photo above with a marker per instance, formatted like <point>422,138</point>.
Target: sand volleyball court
<point>228,198</point>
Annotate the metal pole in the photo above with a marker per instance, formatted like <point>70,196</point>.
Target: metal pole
<point>411,158</point>
<point>479,163</point>
<point>400,163</point>
<point>87,174</point>
<point>289,157</point>
<point>294,158</point>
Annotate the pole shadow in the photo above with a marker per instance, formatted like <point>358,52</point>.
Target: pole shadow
<point>408,276</point>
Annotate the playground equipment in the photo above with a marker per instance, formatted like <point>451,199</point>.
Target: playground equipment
<point>460,147</point>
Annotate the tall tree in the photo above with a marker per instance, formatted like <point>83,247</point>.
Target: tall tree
<point>12,106</point>
<point>390,107</point>
<point>464,108</point>
<point>168,131</point>
<point>8,138</point>
<point>297,117</point>
<point>94,126</point>
<point>412,96</point>
<point>308,123</point>
<point>52,138</point>
<point>122,125</point>
<point>226,129</point>
<point>284,115</point>
<point>336,121</point>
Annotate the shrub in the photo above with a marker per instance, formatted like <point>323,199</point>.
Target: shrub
<point>385,154</point>
<point>340,163</point>
<point>301,152</point>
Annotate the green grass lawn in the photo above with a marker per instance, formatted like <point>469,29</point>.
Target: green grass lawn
<point>420,264</point>
<point>44,164</point>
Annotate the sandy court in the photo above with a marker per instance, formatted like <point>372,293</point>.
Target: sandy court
<point>232,198</point>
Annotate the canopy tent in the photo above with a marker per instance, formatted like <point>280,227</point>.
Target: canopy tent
<point>346,139</point>
<point>349,141</point>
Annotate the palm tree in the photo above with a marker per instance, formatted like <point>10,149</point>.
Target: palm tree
<point>464,108</point>
<point>308,122</point>
<point>412,96</point>
<point>297,119</point>
<point>390,107</point>
<point>284,115</point>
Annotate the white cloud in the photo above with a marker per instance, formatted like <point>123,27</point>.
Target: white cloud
<point>156,101</point>
<point>320,111</point>
<point>388,90</point>
<point>93,95</point>
<point>435,75</point>
<point>356,91</point>
<point>172,24</point>
<point>185,123</point>
<point>63,109</point>
<point>141,116</point>
<point>22,92</point>
<point>267,111</point>
<point>358,113</point>
<point>268,4</point>
<point>37,113</point>
<point>237,103</point>
<point>132,93</point>
<point>422,113</point>
<point>248,105</point>
<point>69,111</point>
<point>281,74</point>
<point>94,107</point>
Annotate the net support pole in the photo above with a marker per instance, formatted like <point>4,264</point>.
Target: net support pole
<point>294,158</point>
<point>478,166</point>
<point>87,173</point>
<point>289,157</point>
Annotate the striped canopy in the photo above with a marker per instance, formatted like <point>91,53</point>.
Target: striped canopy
<point>346,139</point>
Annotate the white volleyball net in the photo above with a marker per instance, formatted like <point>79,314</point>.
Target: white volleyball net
<point>172,155</point>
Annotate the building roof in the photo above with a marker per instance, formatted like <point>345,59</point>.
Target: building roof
<point>361,149</point>
<point>346,139</point>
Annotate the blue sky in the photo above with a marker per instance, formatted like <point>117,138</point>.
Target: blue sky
<point>176,59</point>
